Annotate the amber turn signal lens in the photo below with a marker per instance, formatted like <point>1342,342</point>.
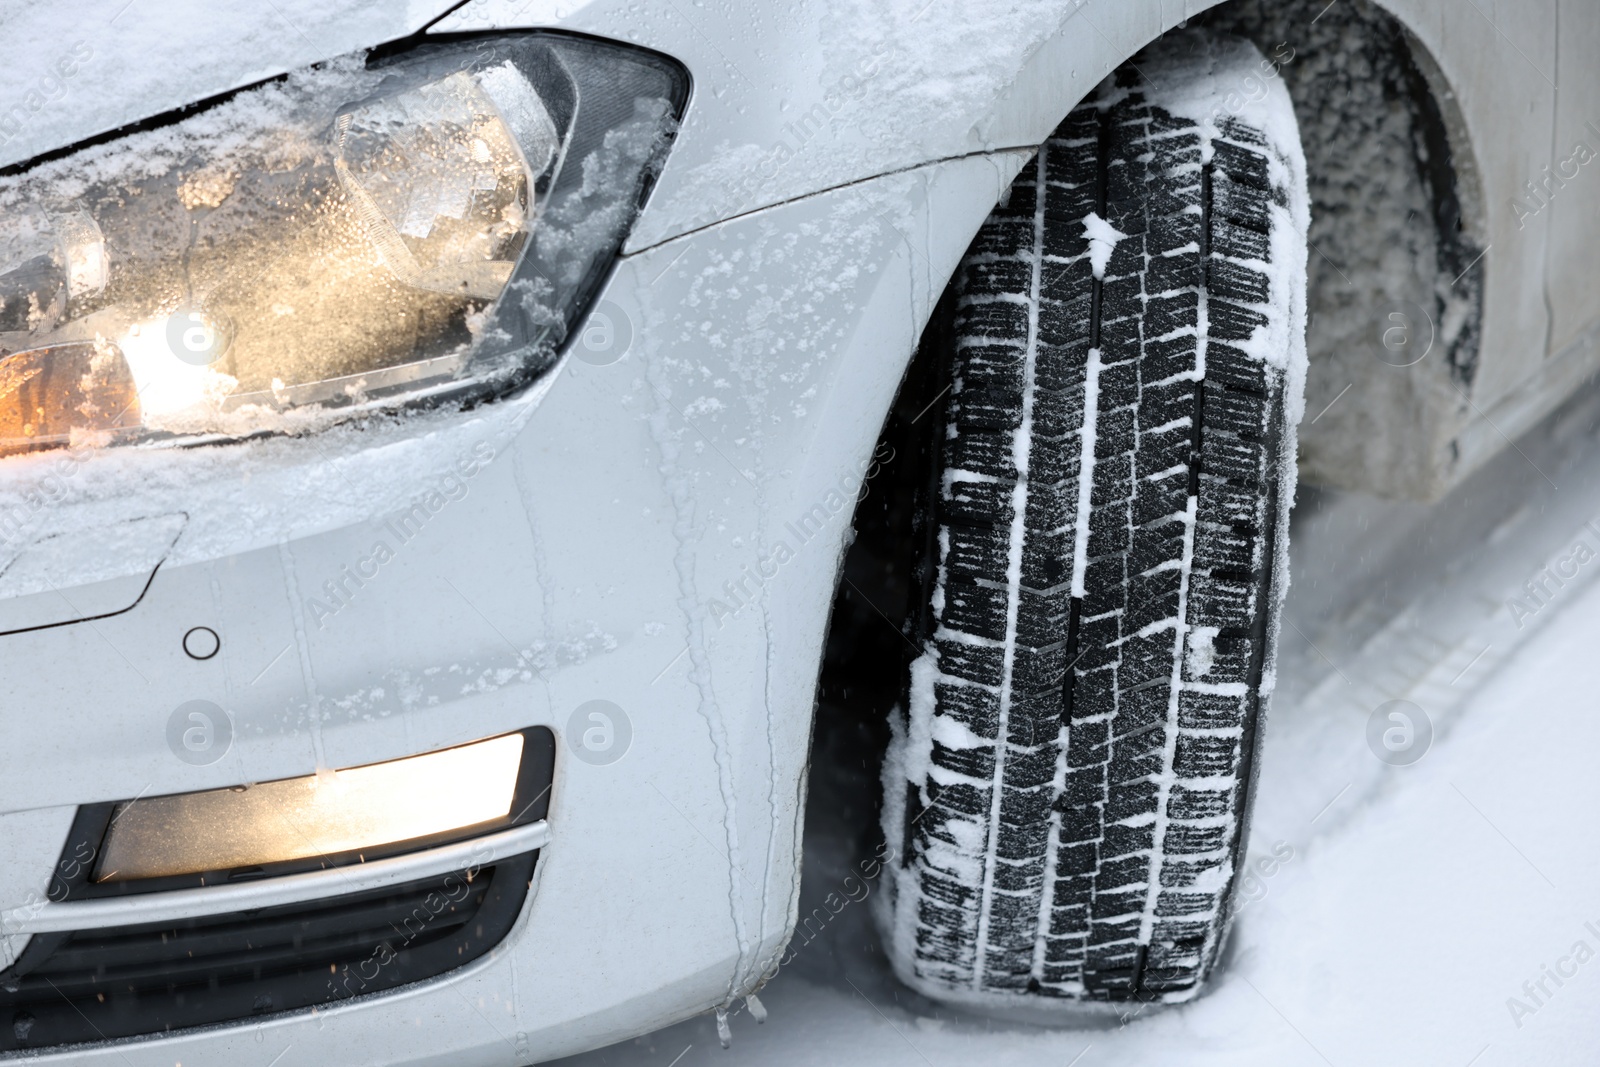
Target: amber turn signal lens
<point>49,396</point>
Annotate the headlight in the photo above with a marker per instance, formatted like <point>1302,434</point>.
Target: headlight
<point>363,234</point>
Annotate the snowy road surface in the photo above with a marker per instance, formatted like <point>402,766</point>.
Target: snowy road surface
<point>1445,912</point>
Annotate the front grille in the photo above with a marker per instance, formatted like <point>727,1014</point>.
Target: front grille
<point>124,981</point>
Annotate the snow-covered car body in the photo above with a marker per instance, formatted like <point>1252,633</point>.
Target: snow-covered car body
<point>662,530</point>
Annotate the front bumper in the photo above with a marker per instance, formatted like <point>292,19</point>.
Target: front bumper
<point>618,544</point>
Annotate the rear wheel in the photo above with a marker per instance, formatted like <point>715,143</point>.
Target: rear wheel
<point>1069,787</point>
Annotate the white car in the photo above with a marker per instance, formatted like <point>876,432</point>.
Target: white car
<point>433,437</point>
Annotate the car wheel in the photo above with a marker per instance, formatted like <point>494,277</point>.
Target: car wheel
<point>1069,787</point>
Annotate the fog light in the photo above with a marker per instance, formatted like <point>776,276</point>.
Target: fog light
<point>418,800</point>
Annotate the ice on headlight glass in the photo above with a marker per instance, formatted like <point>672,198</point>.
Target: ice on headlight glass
<point>438,187</point>
<point>342,238</point>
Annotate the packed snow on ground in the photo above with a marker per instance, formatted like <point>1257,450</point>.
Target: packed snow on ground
<point>1446,912</point>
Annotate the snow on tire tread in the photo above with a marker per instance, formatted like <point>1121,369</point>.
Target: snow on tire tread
<point>1071,784</point>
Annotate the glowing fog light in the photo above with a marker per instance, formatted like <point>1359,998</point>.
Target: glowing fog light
<point>418,798</point>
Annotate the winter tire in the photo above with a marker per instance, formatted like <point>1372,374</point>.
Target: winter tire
<point>1069,789</point>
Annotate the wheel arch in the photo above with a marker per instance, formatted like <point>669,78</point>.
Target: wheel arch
<point>1396,272</point>
<point>1395,431</point>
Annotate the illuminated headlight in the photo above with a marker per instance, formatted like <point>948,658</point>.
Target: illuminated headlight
<point>362,234</point>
